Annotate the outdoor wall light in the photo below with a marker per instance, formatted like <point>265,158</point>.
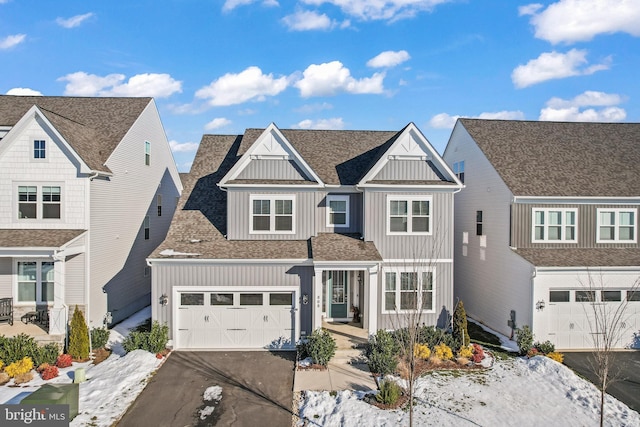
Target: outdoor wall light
<point>305,299</point>
<point>164,300</point>
<point>540,305</point>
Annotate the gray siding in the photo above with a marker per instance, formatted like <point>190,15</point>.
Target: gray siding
<point>408,170</point>
<point>271,169</point>
<point>168,275</point>
<point>355,215</point>
<point>239,208</point>
<point>438,245</point>
<point>6,272</point>
<point>587,222</point>
<point>75,280</point>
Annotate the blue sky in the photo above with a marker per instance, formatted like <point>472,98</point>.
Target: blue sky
<point>217,66</point>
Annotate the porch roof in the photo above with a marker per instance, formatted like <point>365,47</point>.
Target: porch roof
<point>588,257</point>
<point>343,247</point>
<point>36,238</point>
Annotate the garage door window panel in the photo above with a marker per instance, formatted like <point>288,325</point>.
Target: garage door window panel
<point>611,296</point>
<point>559,296</point>
<point>585,296</point>
<point>280,299</point>
<point>633,296</point>
<point>221,299</point>
<point>250,299</point>
<point>191,299</point>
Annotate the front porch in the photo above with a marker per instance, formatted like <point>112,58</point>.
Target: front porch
<point>39,333</point>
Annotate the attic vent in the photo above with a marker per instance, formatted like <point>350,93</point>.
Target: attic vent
<point>408,157</point>
<point>269,157</point>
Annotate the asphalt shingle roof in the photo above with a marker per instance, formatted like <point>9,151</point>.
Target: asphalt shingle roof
<point>49,238</point>
<point>343,247</point>
<point>92,126</point>
<point>588,257</point>
<point>561,159</point>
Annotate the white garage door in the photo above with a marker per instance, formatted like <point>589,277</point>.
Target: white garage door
<point>572,319</point>
<point>236,320</point>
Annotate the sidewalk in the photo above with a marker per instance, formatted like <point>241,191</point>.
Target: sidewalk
<point>347,370</point>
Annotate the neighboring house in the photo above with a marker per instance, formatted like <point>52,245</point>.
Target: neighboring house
<point>546,224</point>
<point>278,230</point>
<point>88,187</point>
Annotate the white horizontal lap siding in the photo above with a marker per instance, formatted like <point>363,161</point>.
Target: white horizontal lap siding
<point>240,209</point>
<point>75,278</point>
<point>491,281</point>
<point>6,271</point>
<point>438,245</point>
<point>17,166</point>
<point>118,208</point>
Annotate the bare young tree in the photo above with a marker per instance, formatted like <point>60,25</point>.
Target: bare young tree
<point>609,325</point>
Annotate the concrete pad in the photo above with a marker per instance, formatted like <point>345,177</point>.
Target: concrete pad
<point>312,380</point>
<point>351,377</point>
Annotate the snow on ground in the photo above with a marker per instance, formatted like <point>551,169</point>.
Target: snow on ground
<point>212,395</point>
<point>516,391</point>
<point>111,386</point>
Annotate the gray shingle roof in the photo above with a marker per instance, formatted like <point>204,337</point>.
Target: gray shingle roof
<point>589,257</point>
<point>562,159</point>
<point>92,126</point>
<point>343,247</point>
<point>50,238</point>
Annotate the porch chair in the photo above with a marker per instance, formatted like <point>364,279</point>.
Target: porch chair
<point>6,310</point>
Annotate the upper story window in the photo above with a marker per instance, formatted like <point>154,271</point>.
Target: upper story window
<point>409,215</point>
<point>458,170</point>
<point>272,214</point>
<point>554,225</point>
<point>479,230</point>
<point>337,211</point>
<point>408,290</point>
<point>147,227</point>
<point>147,153</point>
<point>39,149</point>
<point>36,202</point>
<point>159,204</point>
<point>616,225</point>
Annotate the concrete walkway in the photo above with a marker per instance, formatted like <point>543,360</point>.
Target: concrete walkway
<point>347,370</point>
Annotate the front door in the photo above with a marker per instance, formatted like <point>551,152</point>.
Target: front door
<point>338,284</point>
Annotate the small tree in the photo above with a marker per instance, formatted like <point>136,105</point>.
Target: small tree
<point>460,330</point>
<point>79,336</point>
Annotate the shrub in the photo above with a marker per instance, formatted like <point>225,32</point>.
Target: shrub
<point>382,352</point>
<point>443,352</point>
<point>79,336</point>
<point>389,393</point>
<point>64,361</point>
<point>20,367</point>
<point>532,352</point>
<point>460,330</point>
<point>524,339</point>
<point>320,346</point>
<point>545,347</point>
<point>478,353</point>
<point>49,372</point>
<point>558,357</point>
<point>4,378</point>
<point>432,336</point>
<point>466,352</point>
<point>421,351</point>
<point>16,348</point>
<point>462,361</point>
<point>22,378</point>
<point>1,365</point>
<point>48,353</point>
<point>153,341</point>
<point>99,338</point>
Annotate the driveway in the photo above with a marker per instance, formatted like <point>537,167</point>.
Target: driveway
<point>627,388</point>
<point>256,390</point>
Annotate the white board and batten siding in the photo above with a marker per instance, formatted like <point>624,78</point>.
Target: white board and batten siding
<point>119,205</point>
<point>269,169</point>
<point>408,170</point>
<point>490,278</point>
<point>355,214</point>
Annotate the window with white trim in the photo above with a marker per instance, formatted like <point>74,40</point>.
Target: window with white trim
<point>147,153</point>
<point>458,170</point>
<point>337,211</point>
<point>408,291</point>
<point>39,202</point>
<point>147,227</point>
<point>616,226</point>
<point>39,149</point>
<point>35,281</point>
<point>409,215</point>
<point>554,225</point>
<point>272,214</point>
<point>159,204</point>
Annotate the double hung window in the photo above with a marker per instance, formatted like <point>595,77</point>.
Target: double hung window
<point>616,225</point>
<point>555,225</point>
<point>35,281</point>
<point>408,290</point>
<point>409,215</point>
<point>337,211</point>
<point>272,214</point>
<point>39,202</point>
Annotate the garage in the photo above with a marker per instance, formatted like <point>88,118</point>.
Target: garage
<point>571,316</point>
<point>231,319</point>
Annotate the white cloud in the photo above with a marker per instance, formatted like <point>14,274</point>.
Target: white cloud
<point>529,9</point>
<point>74,21</point>
<point>445,121</point>
<point>335,123</point>
<point>250,84</point>
<point>554,65</point>
<point>571,110</point>
<point>307,21</point>
<point>388,10</point>
<point>217,123</point>
<point>229,5</point>
<point>331,78</point>
<point>570,21</point>
<point>389,58</point>
<point>24,91</point>
<point>154,85</point>
<point>11,41</point>
<point>183,147</point>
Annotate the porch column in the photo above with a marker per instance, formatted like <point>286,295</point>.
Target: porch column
<point>317,299</point>
<point>57,313</point>
<point>371,295</point>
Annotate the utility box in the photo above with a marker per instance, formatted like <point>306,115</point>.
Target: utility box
<point>56,394</point>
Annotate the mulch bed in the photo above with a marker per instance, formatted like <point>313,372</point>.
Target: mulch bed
<point>312,367</point>
<point>100,355</point>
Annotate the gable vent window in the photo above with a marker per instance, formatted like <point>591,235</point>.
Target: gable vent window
<point>39,149</point>
<point>479,222</point>
<point>147,153</point>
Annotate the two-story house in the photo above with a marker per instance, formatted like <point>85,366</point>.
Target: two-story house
<point>88,187</point>
<point>546,228</point>
<point>280,230</point>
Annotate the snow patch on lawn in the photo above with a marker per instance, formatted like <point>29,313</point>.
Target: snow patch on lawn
<point>212,393</point>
